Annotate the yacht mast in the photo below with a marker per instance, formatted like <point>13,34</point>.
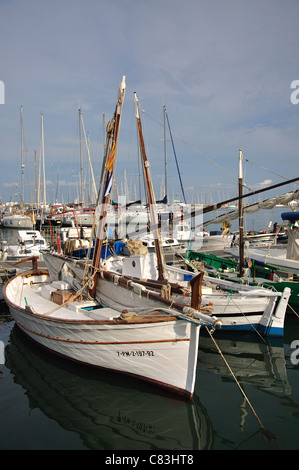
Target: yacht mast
<point>81,162</point>
<point>151,198</point>
<point>165,151</point>
<point>22,158</point>
<point>241,223</point>
<point>43,160</point>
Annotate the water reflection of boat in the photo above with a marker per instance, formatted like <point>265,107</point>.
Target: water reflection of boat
<point>104,412</point>
<point>258,362</point>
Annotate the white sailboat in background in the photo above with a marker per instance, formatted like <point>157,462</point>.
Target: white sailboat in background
<point>15,216</point>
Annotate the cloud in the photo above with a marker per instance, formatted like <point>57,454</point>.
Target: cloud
<point>264,183</point>
<point>223,69</point>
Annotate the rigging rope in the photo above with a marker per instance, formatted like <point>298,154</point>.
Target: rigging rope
<point>191,146</point>
<point>268,435</point>
<point>176,160</point>
<point>209,159</point>
<point>260,166</point>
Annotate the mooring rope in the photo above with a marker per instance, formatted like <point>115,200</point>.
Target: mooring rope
<point>268,435</point>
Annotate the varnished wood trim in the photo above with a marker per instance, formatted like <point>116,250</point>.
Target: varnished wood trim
<point>172,340</point>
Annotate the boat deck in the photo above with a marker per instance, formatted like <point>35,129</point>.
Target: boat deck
<point>57,300</point>
<point>57,303</point>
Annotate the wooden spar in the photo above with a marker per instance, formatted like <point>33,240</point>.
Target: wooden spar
<point>218,205</point>
<point>241,222</point>
<point>196,290</point>
<point>151,197</point>
<point>107,180</point>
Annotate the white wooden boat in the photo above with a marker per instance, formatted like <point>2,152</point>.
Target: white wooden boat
<point>157,344</point>
<point>102,319</point>
<point>241,307</point>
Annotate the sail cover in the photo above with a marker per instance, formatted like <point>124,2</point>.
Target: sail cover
<point>267,204</point>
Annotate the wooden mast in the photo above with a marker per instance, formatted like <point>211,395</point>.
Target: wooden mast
<point>151,198</point>
<point>112,144</point>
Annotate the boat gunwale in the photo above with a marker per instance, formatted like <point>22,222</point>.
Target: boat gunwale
<point>138,320</point>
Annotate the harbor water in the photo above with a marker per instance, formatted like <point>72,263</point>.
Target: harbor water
<point>50,403</point>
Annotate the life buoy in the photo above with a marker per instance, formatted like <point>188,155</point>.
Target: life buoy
<point>180,215</point>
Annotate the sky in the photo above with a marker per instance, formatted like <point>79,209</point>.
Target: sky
<point>223,69</point>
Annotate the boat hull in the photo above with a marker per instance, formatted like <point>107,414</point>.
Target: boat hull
<point>161,350</point>
<point>17,221</point>
<point>242,307</point>
<point>226,268</point>
<point>275,257</point>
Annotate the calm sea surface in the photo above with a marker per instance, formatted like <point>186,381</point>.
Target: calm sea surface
<point>49,403</point>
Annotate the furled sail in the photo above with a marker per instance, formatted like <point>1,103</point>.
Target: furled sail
<point>266,204</point>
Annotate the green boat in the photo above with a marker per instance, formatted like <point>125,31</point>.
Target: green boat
<point>254,274</point>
